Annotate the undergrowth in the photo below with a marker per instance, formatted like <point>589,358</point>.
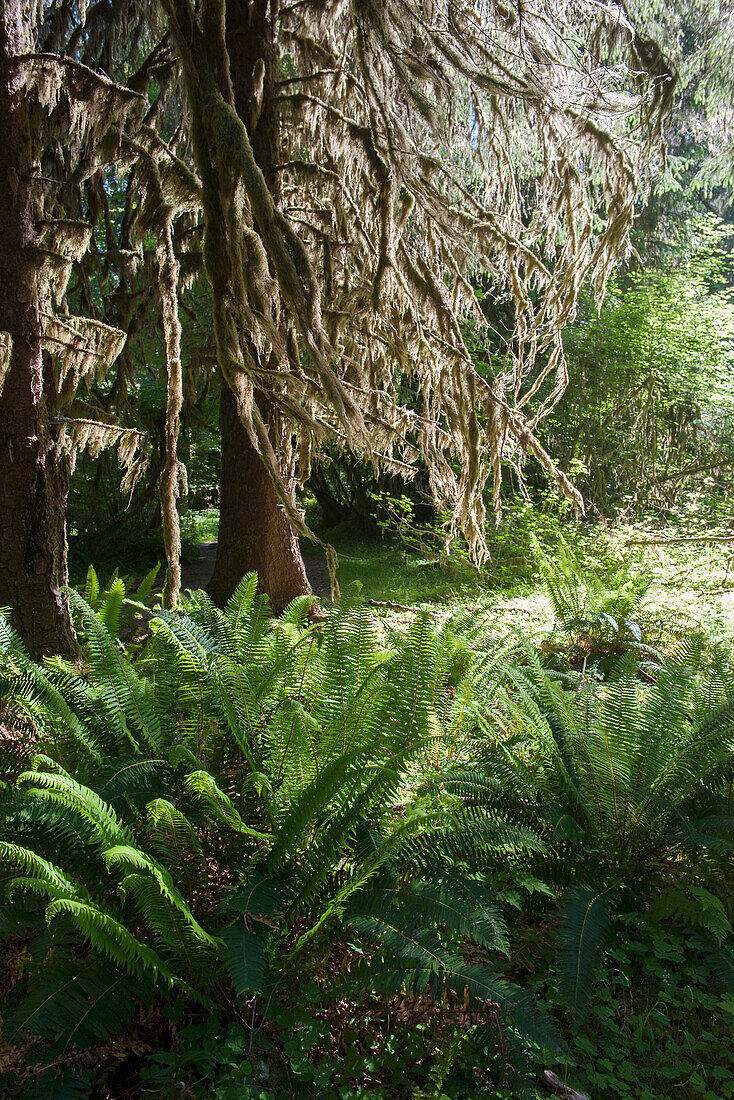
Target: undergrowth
<point>420,856</point>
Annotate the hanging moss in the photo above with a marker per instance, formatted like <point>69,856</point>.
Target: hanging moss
<point>6,351</point>
<point>80,351</point>
<point>173,474</point>
<point>76,434</point>
<point>360,273</point>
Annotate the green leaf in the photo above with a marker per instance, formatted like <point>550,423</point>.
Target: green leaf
<point>585,915</point>
<point>244,957</point>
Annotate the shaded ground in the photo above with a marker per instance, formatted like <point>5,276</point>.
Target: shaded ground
<point>197,574</point>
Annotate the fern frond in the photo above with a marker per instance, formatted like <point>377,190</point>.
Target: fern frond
<point>202,786</point>
<point>110,610</point>
<point>164,906</point>
<point>585,915</point>
<point>694,907</point>
<point>37,867</point>
<point>110,937</point>
<point>62,790</point>
<point>77,1005</point>
<point>244,957</point>
<point>126,701</point>
<point>172,834</point>
<point>91,588</point>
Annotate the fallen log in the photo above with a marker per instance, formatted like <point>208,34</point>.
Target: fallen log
<point>554,1084</point>
<point>681,539</point>
<point>390,605</point>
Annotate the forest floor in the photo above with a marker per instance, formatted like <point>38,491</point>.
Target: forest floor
<point>197,572</point>
<point>690,581</point>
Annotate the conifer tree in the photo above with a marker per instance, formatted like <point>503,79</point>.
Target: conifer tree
<point>358,164</point>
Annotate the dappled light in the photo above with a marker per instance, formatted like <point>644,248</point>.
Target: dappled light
<point>366,552</point>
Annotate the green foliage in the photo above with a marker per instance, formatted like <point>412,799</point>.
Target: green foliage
<point>118,613</point>
<point>584,923</point>
<point>600,616</point>
<point>349,850</point>
<point>659,1026</point>
<point>247,795</point>
<point>580,597</point>
<point>354,1053</point>
<point>647,409</point>
<point>634,787</point>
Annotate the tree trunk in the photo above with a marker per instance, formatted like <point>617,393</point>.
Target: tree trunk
<point>254,530</point>
<point>34,482</point>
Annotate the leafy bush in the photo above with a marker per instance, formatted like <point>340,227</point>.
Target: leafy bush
<point>647,412</point>
<point>390,1050</point>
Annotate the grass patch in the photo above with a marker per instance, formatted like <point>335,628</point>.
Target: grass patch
<point>387,571</point>
<point>692,582</point>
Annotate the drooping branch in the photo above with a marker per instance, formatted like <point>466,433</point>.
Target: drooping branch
<point>412,145</point>
<point>101,123</point>
<point>80,350</point>
<point>78,434</point>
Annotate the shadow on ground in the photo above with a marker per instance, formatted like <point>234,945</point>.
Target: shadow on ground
<point>197,574</point>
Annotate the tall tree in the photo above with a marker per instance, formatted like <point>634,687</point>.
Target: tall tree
<point>256,532</point>
<point>698,37</point>
<point>358,162</point>
<point>65,124</point>
<point>58,122</point>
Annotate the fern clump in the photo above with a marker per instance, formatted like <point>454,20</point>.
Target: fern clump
<point>630,787</point>
<point>598,619</point>
<point>214,816</point>
<point>247,806</point>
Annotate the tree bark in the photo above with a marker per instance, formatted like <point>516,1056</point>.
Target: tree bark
<point>255,533</point>
<point>254,530</point>
<point>34,479</point>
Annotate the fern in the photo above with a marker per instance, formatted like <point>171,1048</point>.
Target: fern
<point>122,692</point>
<point>694,907</point>
<point>244,958</point>
<point>110,609</point>
<point>212,813</point>
<point>76,1006</point>
<point>110,937</point>
<point>623,779</point>
<point>203,787</point>
<point>585,917</point>
<point>160,902</point>
<point>91,588</point>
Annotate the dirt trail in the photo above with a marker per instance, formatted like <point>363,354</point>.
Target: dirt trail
<point>196,574</point>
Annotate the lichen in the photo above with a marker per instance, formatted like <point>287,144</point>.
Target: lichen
<point>173,475</point>
<point>6,351</point>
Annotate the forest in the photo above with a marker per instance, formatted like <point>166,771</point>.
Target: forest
<point>366,549</point>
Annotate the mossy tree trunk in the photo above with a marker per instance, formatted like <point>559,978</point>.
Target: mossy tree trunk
<point>34,479</point>
<point>255,532</point>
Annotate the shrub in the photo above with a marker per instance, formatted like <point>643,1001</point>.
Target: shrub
<point>631,788</point>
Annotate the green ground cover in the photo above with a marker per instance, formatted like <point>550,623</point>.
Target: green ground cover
<point>395,858</point>
<point>690,580</point>
<point>551,747</point>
